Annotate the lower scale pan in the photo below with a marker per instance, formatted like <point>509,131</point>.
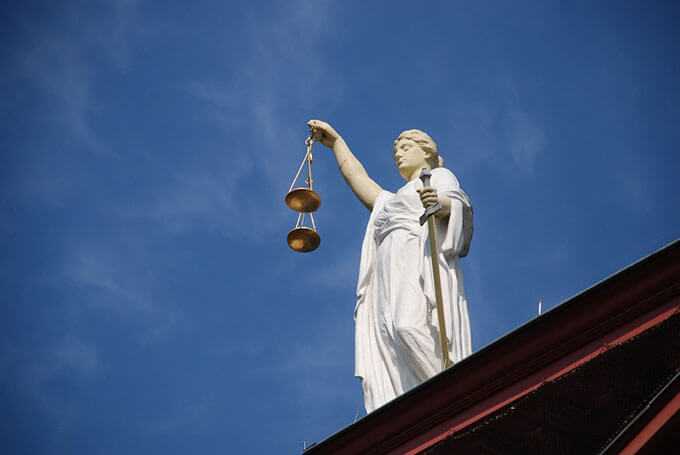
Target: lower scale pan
<point>303,239</point>
<point>303,200</point>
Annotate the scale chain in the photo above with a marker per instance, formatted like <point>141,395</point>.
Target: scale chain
<point>297,175</point>
<point>310,181</point>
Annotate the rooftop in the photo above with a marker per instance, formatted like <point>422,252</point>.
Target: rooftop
<point>596,374</point>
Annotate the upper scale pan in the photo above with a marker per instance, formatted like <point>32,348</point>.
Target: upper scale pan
<point>303,200</point>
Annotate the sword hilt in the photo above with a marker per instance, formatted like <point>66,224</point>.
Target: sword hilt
<point>425,175</point>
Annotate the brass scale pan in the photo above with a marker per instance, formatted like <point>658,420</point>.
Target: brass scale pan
<point>303,239</point>
<point>304,200</point>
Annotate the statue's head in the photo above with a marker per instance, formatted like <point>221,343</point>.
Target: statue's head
<point>413,150</point>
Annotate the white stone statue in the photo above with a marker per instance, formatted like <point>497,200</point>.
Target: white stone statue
<point>397,344</point>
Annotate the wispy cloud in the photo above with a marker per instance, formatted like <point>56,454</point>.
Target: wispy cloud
<point>496,131</point>
<point>58,61</point>
<point>182,415</point>
<point>76,356</point>
<point>316,366</point>
<point>116,287</point>
<point>635,193</point>
<point>124,24</point>
<point>53,75</point>
<point>342,271</point>
<point>57,66</point>
<point>96,269</point>
<point>38,373</point>
<point>526,139</point>
<point>205,198</point>
<point>283,72</point>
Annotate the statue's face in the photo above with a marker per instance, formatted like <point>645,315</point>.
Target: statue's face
<point>409,157</point>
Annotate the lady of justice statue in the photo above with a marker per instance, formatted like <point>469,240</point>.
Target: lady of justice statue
<point>396,325</point>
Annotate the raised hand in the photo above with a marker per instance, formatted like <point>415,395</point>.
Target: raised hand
<point>324,133</point>
<point>351,169</point>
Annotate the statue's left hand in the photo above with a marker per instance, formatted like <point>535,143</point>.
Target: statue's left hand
<point>428,196</point>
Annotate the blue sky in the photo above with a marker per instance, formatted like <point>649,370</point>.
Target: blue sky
<point>150,303</point>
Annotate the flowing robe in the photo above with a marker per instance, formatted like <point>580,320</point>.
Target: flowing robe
<point>396,334</point>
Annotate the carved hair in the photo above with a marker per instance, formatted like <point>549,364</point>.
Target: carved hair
<point>426,143</point>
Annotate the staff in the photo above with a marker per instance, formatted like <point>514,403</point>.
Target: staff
<point>425,175</point>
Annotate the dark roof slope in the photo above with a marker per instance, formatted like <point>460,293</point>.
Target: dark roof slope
<point>586,368</point>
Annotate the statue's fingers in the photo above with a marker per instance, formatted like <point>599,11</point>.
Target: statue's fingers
<point>317,134</point>
<point>316,126</point>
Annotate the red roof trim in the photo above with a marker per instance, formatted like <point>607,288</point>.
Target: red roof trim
<point>617,302</point>
<point>653,426</point>
<point>536,380</point>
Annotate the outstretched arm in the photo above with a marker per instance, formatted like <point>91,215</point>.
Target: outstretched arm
<point>363,186</point>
